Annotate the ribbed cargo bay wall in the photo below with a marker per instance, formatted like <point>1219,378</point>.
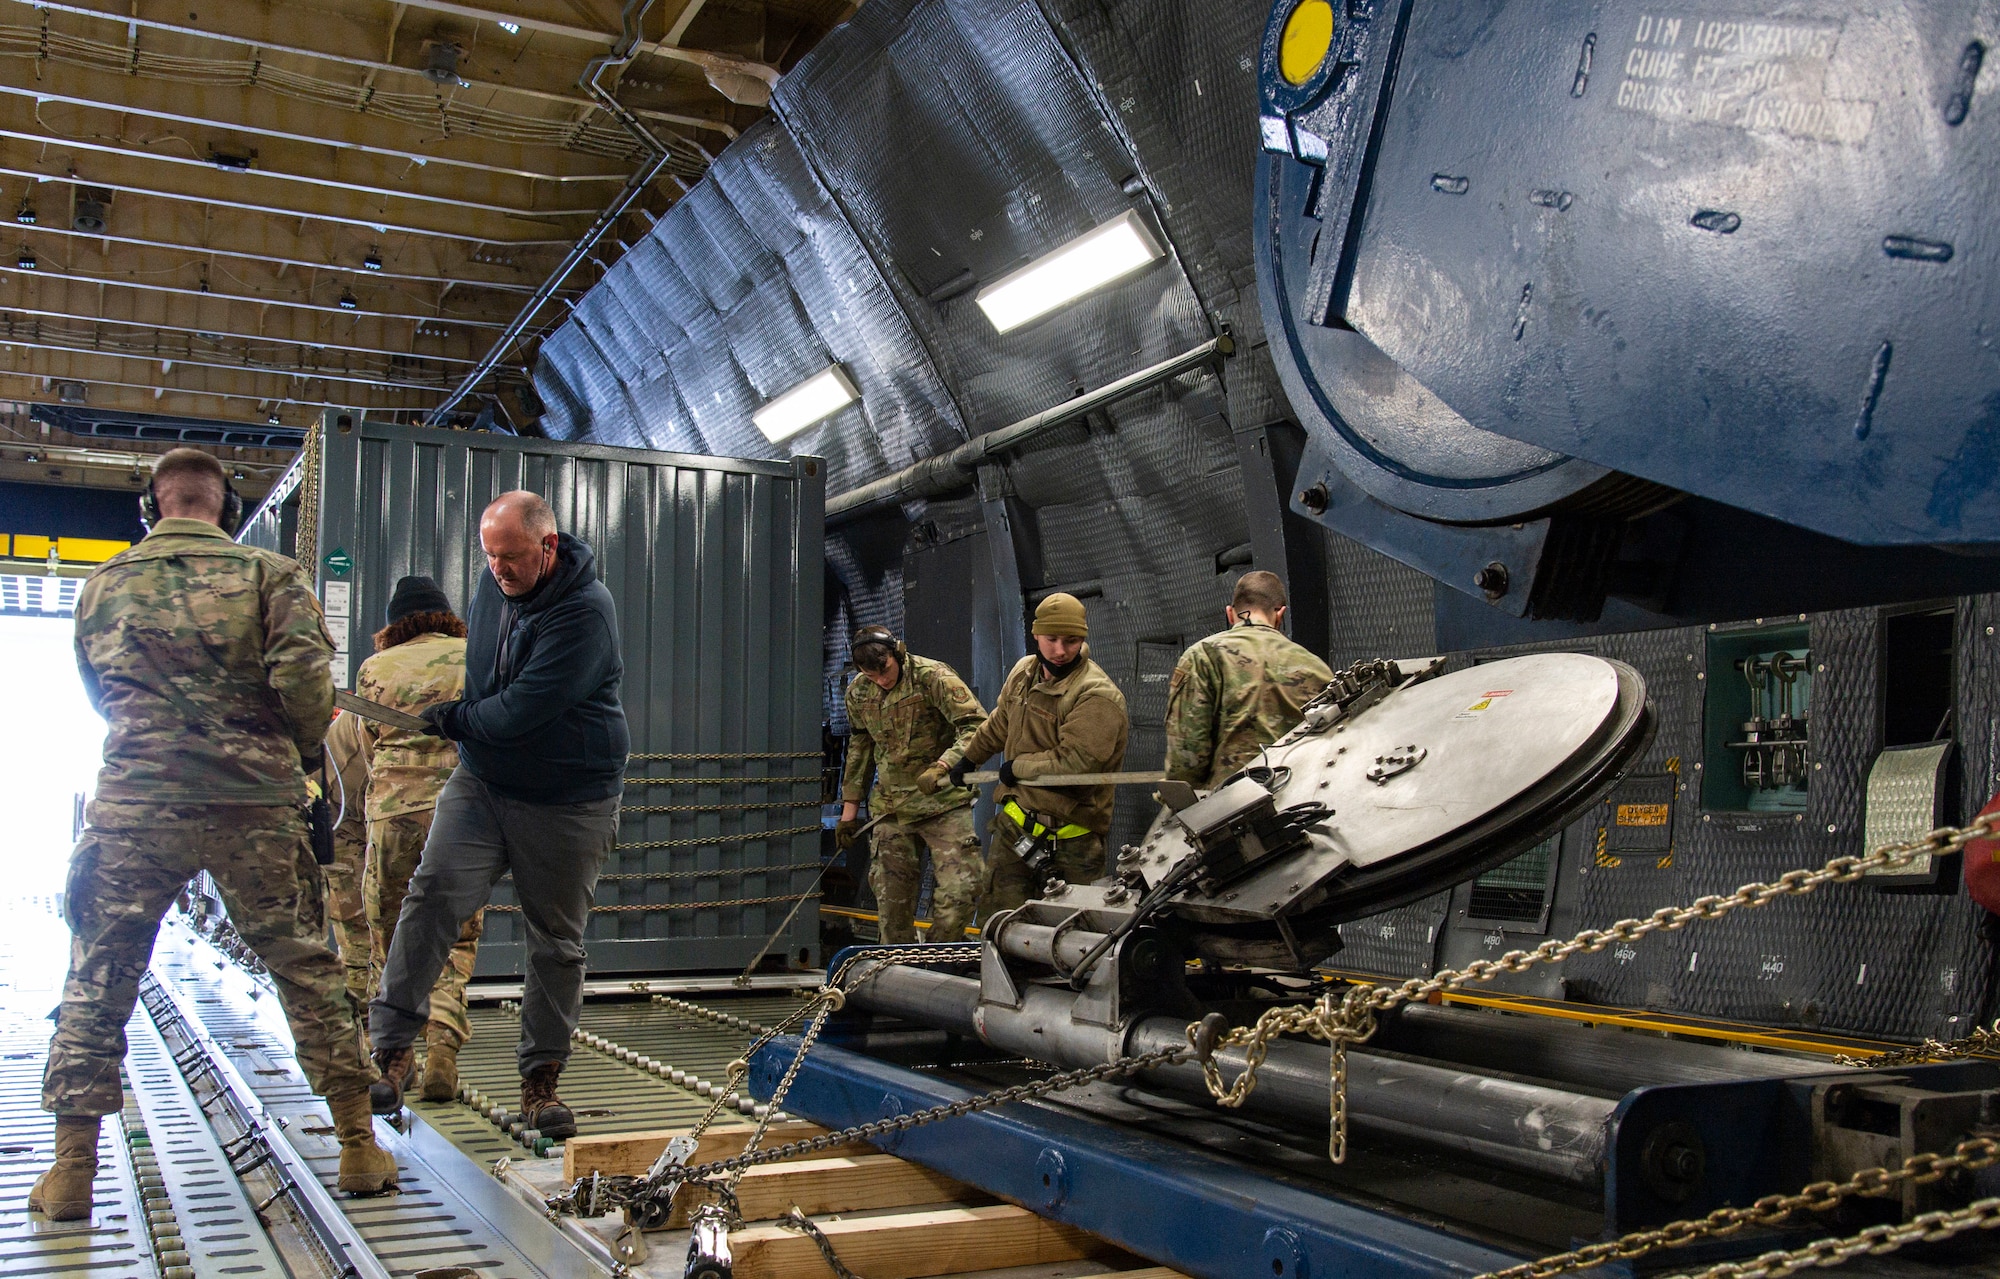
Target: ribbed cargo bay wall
<point>930,146</point>
<point>716,568</point>
<point>924,148</point>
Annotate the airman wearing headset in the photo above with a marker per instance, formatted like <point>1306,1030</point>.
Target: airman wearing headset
<point>210,663</point>
<point>904,711</point>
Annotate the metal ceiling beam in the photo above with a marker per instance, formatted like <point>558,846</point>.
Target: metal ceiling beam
<point>29,389</point>
<point>379,180</point>
<point>493,63</point>
<point>724,70</point>
<point>358,377</point>
<point>374,340</point>
<point>321,300</point>
<point>243,193</point>
<point>94,370</point>
<point>261,112</point>
<point>288,242</point>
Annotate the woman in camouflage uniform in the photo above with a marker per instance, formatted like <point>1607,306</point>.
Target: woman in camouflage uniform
<point>419,660</point>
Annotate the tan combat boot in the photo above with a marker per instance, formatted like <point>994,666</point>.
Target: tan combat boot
<point>541,1109</point>
<point>440,1079</point>
<point>63,1192</point>
<point>396,1066</point>
<point>365,1168</point>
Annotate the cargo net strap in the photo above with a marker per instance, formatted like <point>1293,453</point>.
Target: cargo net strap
<point>781,779</point>
<point>628,810</point>
<point>703,841</point>
<point>717,873</point>
<point>684,758</point>
<point>640,908</point>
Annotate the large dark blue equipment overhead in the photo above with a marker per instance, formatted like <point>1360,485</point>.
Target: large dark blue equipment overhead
<point>1557,264</point>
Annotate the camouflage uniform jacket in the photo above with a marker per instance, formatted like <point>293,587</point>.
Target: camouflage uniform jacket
<point>406,770</point>
<point>1076,724</point>
<point>347,760</point>
<point>209,661</point>
<point>899,732</point>
<point>1232,694</point>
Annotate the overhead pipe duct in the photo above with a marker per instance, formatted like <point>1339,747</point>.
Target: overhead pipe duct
<point>657,156</point>
<point>949,472</point>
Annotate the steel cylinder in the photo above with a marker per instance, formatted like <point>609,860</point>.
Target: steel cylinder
<point>1051,946</point>
<point>1549,1132</point>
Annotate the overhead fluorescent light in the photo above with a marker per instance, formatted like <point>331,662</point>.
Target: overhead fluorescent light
<point>511,28</point>
<point>819,396</point>
<point>1094,259</point>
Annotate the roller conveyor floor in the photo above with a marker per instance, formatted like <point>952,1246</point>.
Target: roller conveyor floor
<point>223,1160</point>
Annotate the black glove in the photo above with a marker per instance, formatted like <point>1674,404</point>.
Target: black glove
<point>846,833</point>
<point>1007,777</point>
<point>443,719</point>
<point>313,763</point>
<point>958,771</point>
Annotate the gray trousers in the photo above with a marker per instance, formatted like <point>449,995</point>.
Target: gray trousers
<point>555,852</point>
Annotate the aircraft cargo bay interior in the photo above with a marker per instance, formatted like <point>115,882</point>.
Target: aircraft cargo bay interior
<point>999,639</point>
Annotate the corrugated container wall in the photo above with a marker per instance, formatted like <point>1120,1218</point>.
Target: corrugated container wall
<point>716,566</point>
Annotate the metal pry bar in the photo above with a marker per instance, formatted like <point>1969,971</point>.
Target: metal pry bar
<point>1073,779</point>
<point>380,714</point>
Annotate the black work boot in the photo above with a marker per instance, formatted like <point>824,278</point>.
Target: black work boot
<point>385,1095</point>
<point>541,1109</point>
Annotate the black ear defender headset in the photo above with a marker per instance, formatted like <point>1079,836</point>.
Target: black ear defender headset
<point>878,635</point>
<point>232,507</point>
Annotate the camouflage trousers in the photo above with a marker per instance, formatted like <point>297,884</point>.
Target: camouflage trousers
<point>126,870</point>
<point>395,846</point>
<point>347,912</point>
<point>1009,881</point>
<point>896,873</point>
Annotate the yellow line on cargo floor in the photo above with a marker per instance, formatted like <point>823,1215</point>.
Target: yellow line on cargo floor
<point>1638,1019</point>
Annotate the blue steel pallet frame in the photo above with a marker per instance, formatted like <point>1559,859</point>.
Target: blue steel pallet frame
<point>1204,1216</point>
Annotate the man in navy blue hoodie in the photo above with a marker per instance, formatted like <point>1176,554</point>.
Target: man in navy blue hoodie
<point>541,748</point>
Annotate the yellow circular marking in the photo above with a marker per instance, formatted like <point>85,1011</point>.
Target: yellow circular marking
<point>1307,38</point>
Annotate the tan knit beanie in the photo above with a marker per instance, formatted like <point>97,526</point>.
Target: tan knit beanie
<point>1061,614</point>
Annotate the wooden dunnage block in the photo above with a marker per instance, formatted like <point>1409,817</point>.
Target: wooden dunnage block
<point>847,1183</point>
<point>632,1153</point>
<point>916,1245</point>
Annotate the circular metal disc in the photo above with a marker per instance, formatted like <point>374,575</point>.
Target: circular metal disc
<point>1505,753</point>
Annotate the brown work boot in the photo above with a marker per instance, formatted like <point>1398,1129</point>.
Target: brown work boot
<point>440,1080</point>
<point>365,1168</point>
<point>541,1109</point>
<point>63,1192</point>
<point>396,1065</point>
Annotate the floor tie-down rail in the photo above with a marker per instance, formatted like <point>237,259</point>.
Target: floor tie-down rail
<point>229,1039</point>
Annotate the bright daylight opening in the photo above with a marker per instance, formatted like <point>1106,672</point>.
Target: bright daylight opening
<point>49,761</point>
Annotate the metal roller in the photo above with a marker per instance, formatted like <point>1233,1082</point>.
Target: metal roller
<point>1531,1128</point>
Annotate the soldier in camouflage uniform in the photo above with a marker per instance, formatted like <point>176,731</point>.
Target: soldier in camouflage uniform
<point>1058,712</point>
<point>347,752</point>
<point>1239,690</point>
<point>903,711</point>
<point>419,661</point>
<point>209,661</point>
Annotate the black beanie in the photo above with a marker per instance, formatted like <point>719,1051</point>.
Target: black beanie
<point>416,595</point>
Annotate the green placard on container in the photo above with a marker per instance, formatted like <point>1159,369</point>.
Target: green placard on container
<point>339,562</point>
